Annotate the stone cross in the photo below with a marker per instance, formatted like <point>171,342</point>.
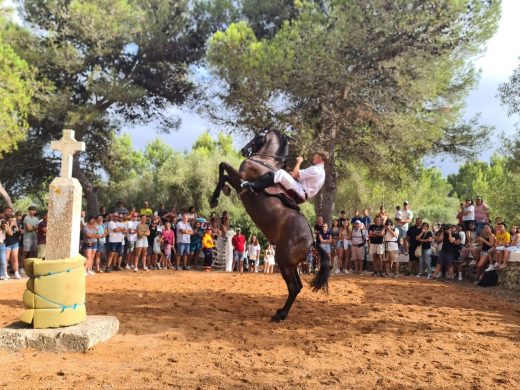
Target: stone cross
<point>65,195</point>
<point>68,146</point>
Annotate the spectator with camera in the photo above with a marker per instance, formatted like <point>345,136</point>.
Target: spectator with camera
<point>358,237</point>
<point>425,239</point>
<point>450,247</point>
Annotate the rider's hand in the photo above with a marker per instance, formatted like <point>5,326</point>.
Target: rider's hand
<point>299,159</point>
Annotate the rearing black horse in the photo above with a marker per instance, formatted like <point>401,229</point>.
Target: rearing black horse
<point>283,226</point>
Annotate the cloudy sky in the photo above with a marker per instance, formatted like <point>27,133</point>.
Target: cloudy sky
<point>497,64</point>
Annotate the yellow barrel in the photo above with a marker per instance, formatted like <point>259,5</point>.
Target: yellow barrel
<point>55,294</point>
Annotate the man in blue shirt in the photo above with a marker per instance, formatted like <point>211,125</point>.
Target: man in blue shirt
<point>366,220</point>
<point>355,218</point>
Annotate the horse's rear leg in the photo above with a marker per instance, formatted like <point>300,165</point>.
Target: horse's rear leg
<point>294,286</point>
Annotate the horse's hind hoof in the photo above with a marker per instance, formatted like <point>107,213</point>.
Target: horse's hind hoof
<point>278,316</point>
<point>213,203</point>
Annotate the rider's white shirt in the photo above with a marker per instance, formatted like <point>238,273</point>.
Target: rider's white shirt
<point>312,179</point>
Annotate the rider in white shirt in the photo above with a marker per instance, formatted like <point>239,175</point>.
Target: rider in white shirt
<point>305,182</point>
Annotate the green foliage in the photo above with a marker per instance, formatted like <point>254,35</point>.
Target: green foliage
<point>510,93</point>
<point>17,87</point>
<point>178,179</point>
<point>495,182</point>
<point>427,191</point>
<point>360,75</point>
<point>108,62</point>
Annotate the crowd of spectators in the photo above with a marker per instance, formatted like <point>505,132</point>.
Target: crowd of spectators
<point>431,250</point>
<point>132,239</point>
<point>166,239</point>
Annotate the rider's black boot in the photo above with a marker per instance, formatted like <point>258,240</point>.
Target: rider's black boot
<point>262,182</point>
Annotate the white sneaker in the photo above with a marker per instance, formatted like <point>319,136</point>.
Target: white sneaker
<point>90,272</point>
<point>146,268</point>
<point>132,266</point>
<point>127,266</point>
<point>491,267</point>
<point>17,275</point>
<point>135,269</point>
<point>460,276</point>
<point>7,277</point>
<point>2,277</point>
<point>337,271</point>
<point>345,271</point>
<point>22,271</point>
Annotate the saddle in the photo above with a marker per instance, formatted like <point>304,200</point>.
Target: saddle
<point>288,197</point>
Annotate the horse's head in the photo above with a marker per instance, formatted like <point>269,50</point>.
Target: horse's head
<point>268,143</point>
<point>254,145</point>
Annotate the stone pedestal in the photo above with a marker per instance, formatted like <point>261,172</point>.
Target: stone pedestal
<point>64,218</point>
<point>77,338</point>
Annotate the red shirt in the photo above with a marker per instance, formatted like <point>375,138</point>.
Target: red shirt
<point>239,242</point>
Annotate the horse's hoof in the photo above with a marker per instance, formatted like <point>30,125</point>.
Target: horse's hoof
<point>226,190</point>
<point>213,203</point>
<point>279,316</point>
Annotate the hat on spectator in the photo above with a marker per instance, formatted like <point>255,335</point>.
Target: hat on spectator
<point>405,202</point>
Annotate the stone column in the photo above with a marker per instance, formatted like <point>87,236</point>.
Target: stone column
<point>55,294</point>
<point>65,195</point>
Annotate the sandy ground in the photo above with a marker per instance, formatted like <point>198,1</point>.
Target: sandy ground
<point>196,330</point>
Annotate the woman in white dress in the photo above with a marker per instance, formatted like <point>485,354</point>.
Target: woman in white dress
<point>269,260</point>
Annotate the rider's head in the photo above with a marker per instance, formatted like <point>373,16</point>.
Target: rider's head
<point>320,157</point>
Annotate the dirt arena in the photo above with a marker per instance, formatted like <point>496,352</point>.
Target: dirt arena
<point>197,330</point>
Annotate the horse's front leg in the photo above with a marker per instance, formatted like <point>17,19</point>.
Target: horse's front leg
<point>226,174</point>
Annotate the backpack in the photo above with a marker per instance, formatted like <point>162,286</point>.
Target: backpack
<point>489,279</point>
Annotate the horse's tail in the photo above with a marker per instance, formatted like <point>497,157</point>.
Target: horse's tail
<point>321,279</point>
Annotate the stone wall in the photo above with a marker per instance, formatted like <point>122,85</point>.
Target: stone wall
<point>512,272</point>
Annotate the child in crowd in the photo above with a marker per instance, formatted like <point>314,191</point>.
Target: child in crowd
<point>166,262</point>
<point>207,248</point>
<point>157,257</point>
<point>503,241</point>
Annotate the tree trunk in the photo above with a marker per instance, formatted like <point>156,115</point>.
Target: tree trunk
<point>6,196</point>
<point>325,201</point>
<point>88,190</point>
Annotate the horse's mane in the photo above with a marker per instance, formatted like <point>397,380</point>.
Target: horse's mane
<point>283,149</point>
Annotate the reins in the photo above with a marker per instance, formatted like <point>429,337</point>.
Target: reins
<point>281,159</point>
